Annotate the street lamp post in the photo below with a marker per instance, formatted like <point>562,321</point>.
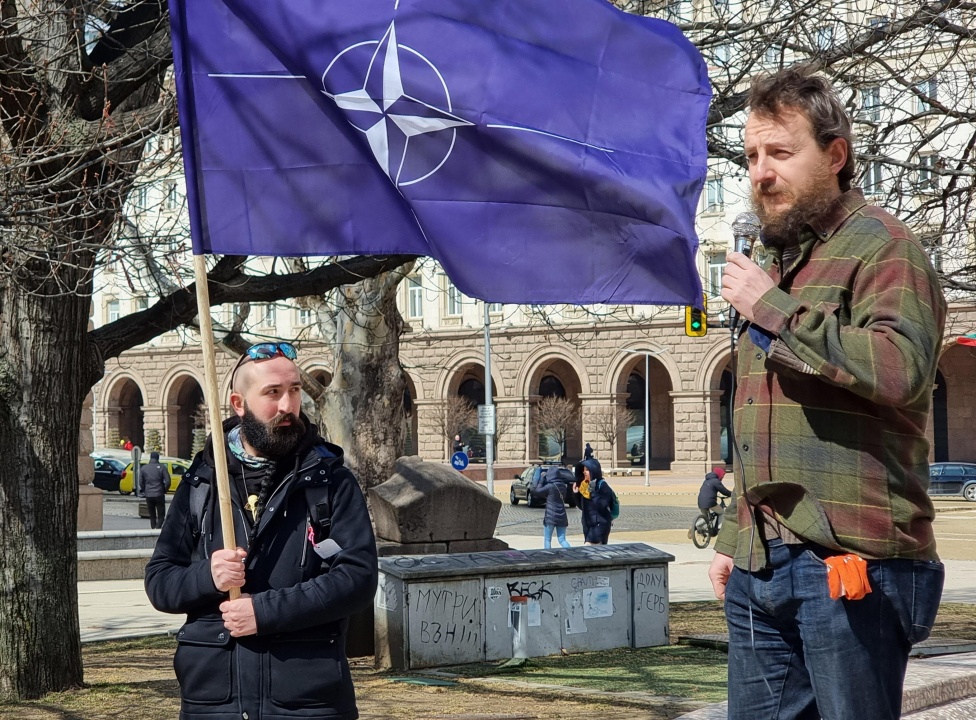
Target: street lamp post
<point>647,407</point>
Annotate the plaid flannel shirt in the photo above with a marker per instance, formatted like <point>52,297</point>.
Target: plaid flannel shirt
<point>831,420</point>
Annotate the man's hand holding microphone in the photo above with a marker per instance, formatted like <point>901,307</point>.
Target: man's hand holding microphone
<point>743,281</point>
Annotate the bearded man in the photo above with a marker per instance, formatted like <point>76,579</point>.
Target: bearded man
<point>305,560</point>
<point>826,560</point>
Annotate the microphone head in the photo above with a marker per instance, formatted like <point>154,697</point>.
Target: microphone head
<point>746,229</point>
<point>746,224</point>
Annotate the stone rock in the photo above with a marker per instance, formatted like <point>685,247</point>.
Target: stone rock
<point>425,502</point>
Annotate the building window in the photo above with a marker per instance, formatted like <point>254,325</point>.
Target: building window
<point>112,310</point>
<point>873,178</point>
<point>722,6</point>
<point>415,294</point>
<point>453,299</point>
<point>714,195</point>
<point>824,37</point>
<point>722,55</point>
<point>927,177</point>
<point>304,316</point>
<point>269,315</point>
<point>140,303</point>
<point>773,55</point>
<point>716,268</point>
<point>928,90</point>
<point>140,199</point>
<point>170,199</point>
<point>678,10</point>
<point>495,308</point>
<point>235,312</point>
<point>871,103</point>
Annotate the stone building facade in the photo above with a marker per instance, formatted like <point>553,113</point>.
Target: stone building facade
<point>158,389</point>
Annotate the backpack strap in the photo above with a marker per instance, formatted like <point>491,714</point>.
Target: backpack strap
<point>319,501</point>
<point>198,477</point>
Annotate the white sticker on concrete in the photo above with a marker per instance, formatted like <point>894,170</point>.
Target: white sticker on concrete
<point>597,602</point>
<point>574,614</point>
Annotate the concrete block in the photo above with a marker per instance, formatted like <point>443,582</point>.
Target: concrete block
<point>114,565</point>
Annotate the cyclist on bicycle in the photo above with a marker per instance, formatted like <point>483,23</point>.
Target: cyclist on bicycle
<point>711,488</point>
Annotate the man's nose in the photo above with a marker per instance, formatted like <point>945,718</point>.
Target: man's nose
<point>762,173</point>
<point>290,403</point>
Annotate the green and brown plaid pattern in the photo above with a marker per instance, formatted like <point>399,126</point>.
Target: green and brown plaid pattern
<point>831,421</point>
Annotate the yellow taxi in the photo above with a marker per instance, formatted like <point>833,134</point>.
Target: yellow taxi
<point>175,466</point>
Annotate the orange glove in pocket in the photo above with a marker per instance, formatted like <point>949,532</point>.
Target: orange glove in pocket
<point>847,577</point>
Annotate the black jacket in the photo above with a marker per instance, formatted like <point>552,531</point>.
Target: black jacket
<point>710,490</point>
<point>295,666</point>
<point>595,510</point>
<point>552,486</point>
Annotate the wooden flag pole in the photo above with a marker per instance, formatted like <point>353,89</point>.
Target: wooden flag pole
<point>212,396</point>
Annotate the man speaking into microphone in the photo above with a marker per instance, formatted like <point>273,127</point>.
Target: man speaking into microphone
<point>826,561</point>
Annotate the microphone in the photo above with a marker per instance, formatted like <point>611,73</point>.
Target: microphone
<point>746,228</point>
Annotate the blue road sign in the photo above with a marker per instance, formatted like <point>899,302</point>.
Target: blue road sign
<point>459,460</point>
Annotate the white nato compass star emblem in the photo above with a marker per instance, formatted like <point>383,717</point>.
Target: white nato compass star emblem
<point>382,85</point>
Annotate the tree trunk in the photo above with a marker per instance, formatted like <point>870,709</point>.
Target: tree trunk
<point>363,406</point>
<point>42,387</point>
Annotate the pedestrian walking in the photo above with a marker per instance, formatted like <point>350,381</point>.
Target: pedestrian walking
<point>552,487</point>
<point>155,481</point>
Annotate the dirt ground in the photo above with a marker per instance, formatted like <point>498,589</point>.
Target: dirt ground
<point>135,679</point>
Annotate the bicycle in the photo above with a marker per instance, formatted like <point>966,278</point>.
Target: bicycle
<point>705,527</point>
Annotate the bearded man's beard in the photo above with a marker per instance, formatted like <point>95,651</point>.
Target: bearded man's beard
<point>272,439</point>
<point>782,229</point>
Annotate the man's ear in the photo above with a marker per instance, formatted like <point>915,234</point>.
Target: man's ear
<point>237,402</point>
<point>837,151</point>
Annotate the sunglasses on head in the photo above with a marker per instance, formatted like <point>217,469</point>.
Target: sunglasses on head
<point>264,351</point>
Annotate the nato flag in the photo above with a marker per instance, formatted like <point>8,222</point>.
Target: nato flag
<point>543,151</point>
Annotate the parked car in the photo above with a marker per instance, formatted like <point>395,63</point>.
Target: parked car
<point>524,483</point>
<point>175,466</point>
<point>947,478</point>
<point>108,472</point>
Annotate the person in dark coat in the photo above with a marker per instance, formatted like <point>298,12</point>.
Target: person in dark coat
<point>155,481</point>
<point>278,651</point>
<point>711,488</point>
<point>587,452</point>
<point>594,499</point>
<point>552,486</point>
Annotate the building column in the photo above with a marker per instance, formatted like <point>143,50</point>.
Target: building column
<point>89,497</point>
<point>693,429</point>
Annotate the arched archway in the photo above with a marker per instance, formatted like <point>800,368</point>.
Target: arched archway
<point>185,412</point>
<point>468,382</point>
<point>125,412</point>
<point>954,405</point>
<point>555,377</point>
<point>641,397</point>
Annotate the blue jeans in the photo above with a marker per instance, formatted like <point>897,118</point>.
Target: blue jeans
<point>560,535</point>
<point>795,653</point>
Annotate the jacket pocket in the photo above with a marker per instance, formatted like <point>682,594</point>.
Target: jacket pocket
<point>308,671</point>
<point>203,661</point>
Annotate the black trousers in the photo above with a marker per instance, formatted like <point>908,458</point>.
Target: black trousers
<point>157,510</point>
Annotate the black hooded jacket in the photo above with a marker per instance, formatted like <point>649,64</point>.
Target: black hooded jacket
<point>295,666</point>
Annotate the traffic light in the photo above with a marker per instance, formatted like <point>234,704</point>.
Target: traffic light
<point>696,321</point>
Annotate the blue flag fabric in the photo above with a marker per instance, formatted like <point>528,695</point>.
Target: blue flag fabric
<point>543,151</point>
